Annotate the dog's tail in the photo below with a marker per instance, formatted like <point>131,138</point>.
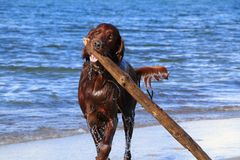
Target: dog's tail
<point>152,73</point>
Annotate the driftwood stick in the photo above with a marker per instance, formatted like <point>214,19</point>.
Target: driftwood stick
<point>163,118</point>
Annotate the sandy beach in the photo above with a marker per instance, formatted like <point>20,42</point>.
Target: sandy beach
<point>219,138</point>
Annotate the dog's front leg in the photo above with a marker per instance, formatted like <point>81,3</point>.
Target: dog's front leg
<point>96,128</point>
<point>106,143</point>
<point>97,135</point>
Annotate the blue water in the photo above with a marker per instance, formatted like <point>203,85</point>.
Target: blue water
<point>40,60</point>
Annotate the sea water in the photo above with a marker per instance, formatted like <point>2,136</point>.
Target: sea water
<point>40,60</point>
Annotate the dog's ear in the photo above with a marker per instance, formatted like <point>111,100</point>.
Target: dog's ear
<point>120,52</point>
<point>90,33</point>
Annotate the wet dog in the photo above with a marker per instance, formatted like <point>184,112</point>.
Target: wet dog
<point>101,98</point>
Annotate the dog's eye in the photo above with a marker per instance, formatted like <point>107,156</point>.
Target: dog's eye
<point>110,37</point>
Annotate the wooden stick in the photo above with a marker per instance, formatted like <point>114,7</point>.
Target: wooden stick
<point>167,122</point>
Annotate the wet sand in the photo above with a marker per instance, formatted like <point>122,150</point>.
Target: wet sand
<point>219,138</point>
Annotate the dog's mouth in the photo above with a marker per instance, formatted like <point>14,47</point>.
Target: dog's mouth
<point>93,59</point>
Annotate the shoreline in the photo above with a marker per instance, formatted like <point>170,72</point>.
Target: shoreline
<point>219,138</point>
<point>234,158</point>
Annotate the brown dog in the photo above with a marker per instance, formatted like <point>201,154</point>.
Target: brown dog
<point>101,97</point>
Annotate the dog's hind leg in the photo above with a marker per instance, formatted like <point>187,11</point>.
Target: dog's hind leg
<point>128,122</point>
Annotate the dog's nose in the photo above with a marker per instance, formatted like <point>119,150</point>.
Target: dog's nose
<point>97,45</point>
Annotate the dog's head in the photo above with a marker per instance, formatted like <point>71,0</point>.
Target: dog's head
<point>106,40</point>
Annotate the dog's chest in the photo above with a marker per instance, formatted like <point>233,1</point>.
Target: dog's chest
<point>96,88</point>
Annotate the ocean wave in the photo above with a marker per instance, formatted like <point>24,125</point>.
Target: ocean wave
<point>30,69</point>
<point>188,110</point>
<point>38,134</point>
<point>57,46</point>
<point>142,119</point>
<point>193,110</point>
